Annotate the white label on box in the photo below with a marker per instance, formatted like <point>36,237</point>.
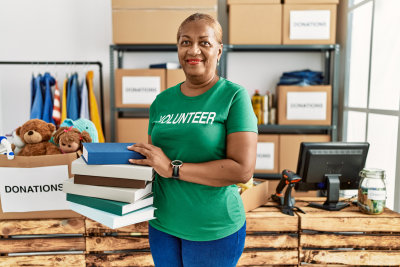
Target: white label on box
<point>33,189</point>
<point>376,194</point>
<point>265,156</point>
<point>140,89</point>
<point>310,24</point>
<point>306,105</point>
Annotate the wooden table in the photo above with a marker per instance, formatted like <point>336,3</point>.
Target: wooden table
<point>315,238</point>
<point>349,237</point>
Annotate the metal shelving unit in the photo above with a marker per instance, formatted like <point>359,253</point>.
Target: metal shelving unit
<point>331,75</point>
<point>119,51</point>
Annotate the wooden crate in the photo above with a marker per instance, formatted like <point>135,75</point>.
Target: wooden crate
<point>126,246</point>
<point>269,241</point>
<point>272,238</point>
<point>44,236</point>
<point>349,237</point>
<point>72,242</point>
<point>317,238</point>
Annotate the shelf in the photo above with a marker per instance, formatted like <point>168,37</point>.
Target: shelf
<point>331,54</point>
<point>228,47</point>
<point>145,48</point>
<point>267,176</point>
<point>293,129</point>
<point>284,48</point>
<point>133,112</point>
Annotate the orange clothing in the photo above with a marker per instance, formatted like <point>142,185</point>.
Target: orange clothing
<point>64,101</point>
<point>94,112</point>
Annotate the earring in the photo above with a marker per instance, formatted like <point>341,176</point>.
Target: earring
<point>217,62</point>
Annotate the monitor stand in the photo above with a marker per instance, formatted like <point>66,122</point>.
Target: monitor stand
<point>332,202</point>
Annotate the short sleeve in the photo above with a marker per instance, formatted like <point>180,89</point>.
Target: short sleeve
<point>241,117</point>
<point>152,117</point>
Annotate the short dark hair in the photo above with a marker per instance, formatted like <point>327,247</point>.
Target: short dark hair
<point>208,19</point>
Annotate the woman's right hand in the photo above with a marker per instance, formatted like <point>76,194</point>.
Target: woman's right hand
<point>155,158</point>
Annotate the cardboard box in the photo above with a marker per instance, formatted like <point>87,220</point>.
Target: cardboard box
<point>174,77</point>
<point>289,148</point>
<point>309,22</point>
<point>35,164</point>
<point>137,88</point>
<point>255,196</point>
<point>255,22</point>
<point>132,130</point>
<point>305,105</point>
<point>154,21</point>
<point>267,153</point>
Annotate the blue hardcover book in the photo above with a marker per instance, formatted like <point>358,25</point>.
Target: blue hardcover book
<point>109,153</point>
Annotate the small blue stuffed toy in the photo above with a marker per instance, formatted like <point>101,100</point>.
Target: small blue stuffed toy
<point>5,147</point>
<point>83,125</point>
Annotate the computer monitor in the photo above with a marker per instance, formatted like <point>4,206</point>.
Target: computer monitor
<point>331,166</point>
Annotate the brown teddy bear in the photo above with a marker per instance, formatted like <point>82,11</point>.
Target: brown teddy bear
<point>70,139</point>
<point>36,134</point>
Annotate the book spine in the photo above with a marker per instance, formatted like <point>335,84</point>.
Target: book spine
<point>138,205</point>
<point>92,214</point>
<point>109,181</point>
<point>97,191</point>
<point>112,158</point>
<point>113,171</point>
<point>95,203</point>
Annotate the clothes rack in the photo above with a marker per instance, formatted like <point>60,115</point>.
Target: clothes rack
<point>72,63</point>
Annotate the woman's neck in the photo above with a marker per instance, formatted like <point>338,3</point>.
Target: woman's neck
<point>194,87</point>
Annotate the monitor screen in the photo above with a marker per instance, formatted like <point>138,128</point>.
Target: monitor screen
<point>331,166</point>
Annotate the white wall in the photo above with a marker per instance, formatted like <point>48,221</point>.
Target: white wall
<point>2,132</point>
<point>80,30</point>
<point>48,30</point>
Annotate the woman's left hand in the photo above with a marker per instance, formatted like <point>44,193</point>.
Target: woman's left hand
<point>155,158</point>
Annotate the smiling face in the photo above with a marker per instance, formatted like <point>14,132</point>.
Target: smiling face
<point>198,50</point>
<point>68,145</point>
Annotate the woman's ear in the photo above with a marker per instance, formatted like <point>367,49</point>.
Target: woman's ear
<point>220,49</point>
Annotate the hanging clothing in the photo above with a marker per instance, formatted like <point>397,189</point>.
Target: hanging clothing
<point>84,112</point>
<point>33,90</point>
<point>57,106</point>
<point>73,98</point>
<point>94,112</point>
<point>48,81</point>
<point>64,101</point>
<point>37,105</point>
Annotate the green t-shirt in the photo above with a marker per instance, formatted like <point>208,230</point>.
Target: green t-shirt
<point>194,129</point>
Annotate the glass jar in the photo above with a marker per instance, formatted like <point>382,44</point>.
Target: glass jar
<point>372,191</point>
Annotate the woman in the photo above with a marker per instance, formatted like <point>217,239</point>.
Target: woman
<point>202,141</point>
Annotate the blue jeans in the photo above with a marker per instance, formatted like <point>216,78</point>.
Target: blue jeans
<point>170,251</point>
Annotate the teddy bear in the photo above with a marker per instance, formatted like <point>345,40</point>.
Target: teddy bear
<point>36,134</point>
<point>70,139</point>
<point>17,143</point>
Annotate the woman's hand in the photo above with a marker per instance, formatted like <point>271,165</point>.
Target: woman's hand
<point>155,158</point>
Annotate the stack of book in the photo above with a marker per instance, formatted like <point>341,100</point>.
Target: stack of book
<point>107,188</point>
